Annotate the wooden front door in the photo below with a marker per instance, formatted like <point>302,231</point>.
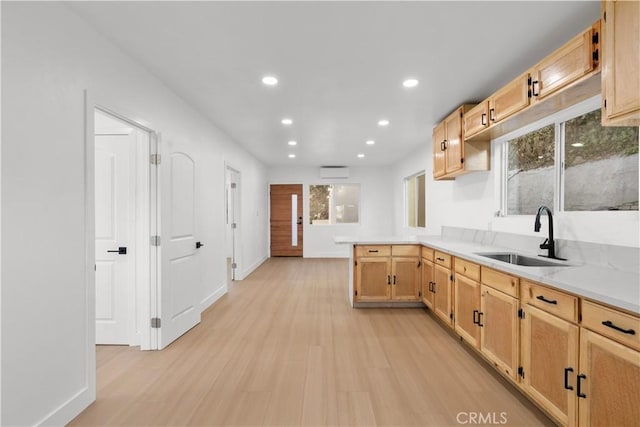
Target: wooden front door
<point>286,220</point>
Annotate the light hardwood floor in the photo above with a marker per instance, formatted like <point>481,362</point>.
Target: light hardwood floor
<point>283,347</point>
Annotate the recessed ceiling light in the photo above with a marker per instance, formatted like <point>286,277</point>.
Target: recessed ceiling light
<point>292,143</point>
<point>370,142</point>
<point>410,83</point>
<point>360,155</point>
<point>383,122</point>
<point>577,144</point>
<point>286,122</point>
<point>269,80</point>
<point>292,156</point>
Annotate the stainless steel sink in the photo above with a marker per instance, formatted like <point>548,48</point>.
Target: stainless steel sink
<point>517,259</point>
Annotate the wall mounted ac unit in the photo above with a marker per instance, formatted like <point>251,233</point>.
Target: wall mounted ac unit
<point>334,172</point>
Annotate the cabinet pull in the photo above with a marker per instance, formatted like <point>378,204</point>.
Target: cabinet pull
<point>566,378</point>
<point>548,301</point>
<point>394,279</point>
<point>440,259</point>
<point>433,287</point>
<point>372,251</point>
<point>443,145</point>
<point>579,391</point>
<point>535,87</point>
<point>475,321</point>
<point>483,119</point>
<point>480,314</point>
<point>492,114</point>
<point>388,280</point>
<point>609,324</point>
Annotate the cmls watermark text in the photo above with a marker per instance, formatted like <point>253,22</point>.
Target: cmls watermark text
<point>484,418</point>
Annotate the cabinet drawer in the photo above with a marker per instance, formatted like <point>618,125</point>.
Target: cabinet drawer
<point>373,250</point>
<point>500,281</point>
<point>469,269</point>
<point>621,327</point>
<point>405,250</point>
<point>442,259</point>
<point>427,253</point>
<point>552,301</point>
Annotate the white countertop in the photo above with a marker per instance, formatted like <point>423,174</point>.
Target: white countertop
<point>614,287</point>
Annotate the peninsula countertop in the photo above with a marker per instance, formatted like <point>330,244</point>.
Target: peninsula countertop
<point>604,284</point>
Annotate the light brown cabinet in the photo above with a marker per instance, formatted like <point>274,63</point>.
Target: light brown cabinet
<point>621,63</point>
<point>498,320</point>
<point>476,119</point>
<point>427,277</point>
<point>549,350</point>
<point>511,98</point>
<point>573,60</point>
<point>387,273</point>
<point>441,287</point>
<point>467,301</point>
<point>452,156</point>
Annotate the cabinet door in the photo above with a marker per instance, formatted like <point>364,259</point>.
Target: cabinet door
<point>373,279</point>
<point>550,363</point>
<point>476,119</point>
<point>564,66</point>
<point>442,293</point>
<point>609,384</point>
<point>467,309</point>
<point>499,329</point>
<point>509,99</point>
<point>405,280</point>
<point>454,147</point>
<point>621,62</point>
<point>438,150</point>
<point>427,283</point>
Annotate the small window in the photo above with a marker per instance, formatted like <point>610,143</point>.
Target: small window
<point>530,171</point>
<point>600,165</point>
<point>334,204</point>
<point>414,190</point>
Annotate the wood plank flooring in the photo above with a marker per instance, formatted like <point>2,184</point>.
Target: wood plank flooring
<point>283,348</point>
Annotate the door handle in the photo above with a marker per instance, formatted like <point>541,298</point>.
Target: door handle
<point>566,378</point>
<point>199,245</point>
<point>299,220</point>
<point>579,391</point>
<point>122,250</point>
<point>475,313</point>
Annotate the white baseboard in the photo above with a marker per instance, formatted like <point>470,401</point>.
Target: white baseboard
<point>215,296</point>
<point>327,255</point>
<point>247,271</point>
<point>70,409</point>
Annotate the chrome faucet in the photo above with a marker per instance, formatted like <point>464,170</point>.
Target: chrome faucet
<point>549,243</point>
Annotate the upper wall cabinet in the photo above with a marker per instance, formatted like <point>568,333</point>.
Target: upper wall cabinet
<point>452,156</point>
<point>621,63</point>
<point>510,99</point>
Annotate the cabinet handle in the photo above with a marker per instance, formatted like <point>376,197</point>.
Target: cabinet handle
<point>609,324</point>
<point>373,251</point>
<point>433,287</point>
<point>440,259</point>
<point>492,114</point>
<point>388,280</point>
<point>483,119</point>
<point>475,321</point>
<point>480,314</point>
<point>443,145</point>
<point>579,391</point>
<point>394,279</point>
<point>535,88</point>
<point>548,301</point>
<point>430,286</point>
<point>566,378</point>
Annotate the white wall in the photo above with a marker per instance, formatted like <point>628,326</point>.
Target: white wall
<point>376,218</point>
<point>472,200</point>
<point>49,58</point>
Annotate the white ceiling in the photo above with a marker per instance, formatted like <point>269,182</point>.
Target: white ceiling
<point>340,65</point>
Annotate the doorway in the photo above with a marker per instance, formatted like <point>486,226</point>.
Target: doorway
<point>286,220</point>
<point>122,222</point>
<point>232,204</point>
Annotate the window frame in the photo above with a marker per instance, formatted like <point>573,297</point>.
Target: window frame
<point>338,224</point>
<point>405,186</point>
<point>558,119</point>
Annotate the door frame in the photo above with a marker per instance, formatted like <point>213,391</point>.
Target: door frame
<point>147,224</point>
<point>304,213</point>
<point>237,214</point>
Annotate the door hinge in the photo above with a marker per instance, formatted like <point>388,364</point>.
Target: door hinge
<point>419,293</point>
<point>234,265</point>
<point>419,264</point>
<point>605,103</point>
<point>595,55</point>
<point>521,313</point>
<point>521,372</point>
<point>155,322</point>
<point>356,293</point>
<point>451,316</point>
<point>605,17</point>
<point>155,240</point>
<point>234,225</point>
<point>355,263</point>
<point>155,159</point>
<point>594,38</point>
<point>462,160</point>
<point>234,185</point>
<point>451,278</point>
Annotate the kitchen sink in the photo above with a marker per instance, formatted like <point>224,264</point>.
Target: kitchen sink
<point>517,259</point>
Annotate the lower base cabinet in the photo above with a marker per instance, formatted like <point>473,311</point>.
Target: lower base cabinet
<point>498,323</point>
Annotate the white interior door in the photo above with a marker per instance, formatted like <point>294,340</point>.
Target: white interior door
<point>114,219</point>
<point>180,275</point>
